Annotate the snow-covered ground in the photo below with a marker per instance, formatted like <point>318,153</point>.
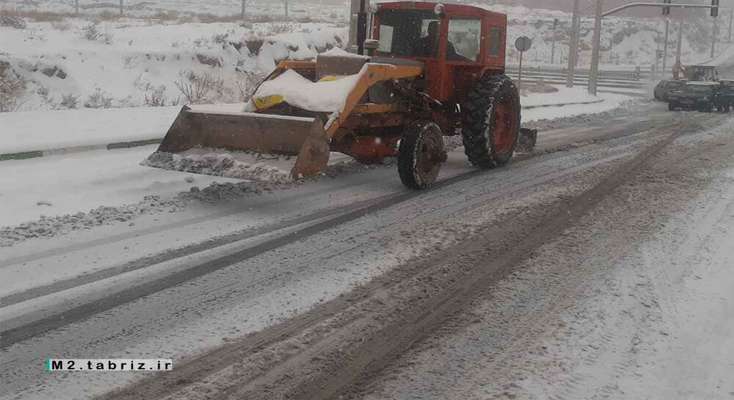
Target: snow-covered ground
<point>68,184</point>
<point>135,61</point>
<point>67,129</point>
<point>128,63</point>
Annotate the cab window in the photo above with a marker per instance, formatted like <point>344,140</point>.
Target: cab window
<point>495,41</point>
<point>465,37</point>
<point>408,33</point>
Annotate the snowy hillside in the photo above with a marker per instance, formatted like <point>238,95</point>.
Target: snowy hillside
<point>76,63</point>
<point>169,52</point>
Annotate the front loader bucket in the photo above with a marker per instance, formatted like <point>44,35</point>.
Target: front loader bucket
<point>219,128</point>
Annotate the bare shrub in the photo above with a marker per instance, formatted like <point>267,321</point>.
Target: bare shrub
<point>220,38</point>
<point>281,28</point>
<point>210,61</point>
<point>156,97</point>
<point>254,45</point>
<point>91,32</point>
<point>199,87</point>
<point>12,87</point>
<point>247,82</point>
<point>69,101</point>
<point>98,100</point>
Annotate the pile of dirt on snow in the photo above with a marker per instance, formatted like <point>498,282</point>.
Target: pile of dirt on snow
<point>239,165</point>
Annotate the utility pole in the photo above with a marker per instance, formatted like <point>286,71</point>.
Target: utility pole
<point>121,13</point>
<point>573,44</point>
<point>665,44</point>
<point>244,9</point>
<point>76,11</point>
<point>731,18</point>
<point>285,2</point>
<point>680,44</point>
<point>594,72</point>
<point>553,44</point>
<point>714,35</point>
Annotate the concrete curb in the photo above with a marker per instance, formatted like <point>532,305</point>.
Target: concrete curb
<point>24,155</point>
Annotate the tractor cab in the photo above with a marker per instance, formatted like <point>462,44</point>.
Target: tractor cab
<point>456,43</point>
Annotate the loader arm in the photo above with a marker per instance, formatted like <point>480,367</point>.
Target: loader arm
<point>370,75</point>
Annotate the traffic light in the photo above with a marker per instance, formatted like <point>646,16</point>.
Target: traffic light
<point>715,8</point>
<point>666,10</point>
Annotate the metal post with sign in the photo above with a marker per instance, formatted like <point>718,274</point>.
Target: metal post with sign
<point>522,44</point>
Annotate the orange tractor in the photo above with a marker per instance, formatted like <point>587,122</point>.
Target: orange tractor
<point>431,70</point>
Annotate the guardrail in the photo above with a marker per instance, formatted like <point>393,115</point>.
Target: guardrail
<point>622,80</point>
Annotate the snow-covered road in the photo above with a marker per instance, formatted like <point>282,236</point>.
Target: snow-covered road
<point>176,284</point>
<point>185,279</point>
<point>636,302</point>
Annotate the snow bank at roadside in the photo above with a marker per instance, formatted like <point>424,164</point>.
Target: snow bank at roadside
<point>609,102</point>
<point>559,95</point>
<point>232,164</point>
<point>48,197</point>
<point>46,130</point>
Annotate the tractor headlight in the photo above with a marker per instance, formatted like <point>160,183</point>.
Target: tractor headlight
<point>439,9</point>
<point>705,98</point>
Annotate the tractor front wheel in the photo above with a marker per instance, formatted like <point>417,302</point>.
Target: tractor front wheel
<point>420,155</point>
<point>491,121</point>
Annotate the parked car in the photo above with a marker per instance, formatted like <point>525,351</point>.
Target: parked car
<point>724,97</point>
<point>694,96</point>
<point>665,86</point>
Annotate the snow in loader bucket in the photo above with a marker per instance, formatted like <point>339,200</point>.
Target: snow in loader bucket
<point>235,141</point>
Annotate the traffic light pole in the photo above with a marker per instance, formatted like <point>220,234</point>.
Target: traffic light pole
<point>594,75</point>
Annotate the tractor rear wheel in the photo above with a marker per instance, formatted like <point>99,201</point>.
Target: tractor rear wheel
<point>491,121</point>
<point>420,155</point>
